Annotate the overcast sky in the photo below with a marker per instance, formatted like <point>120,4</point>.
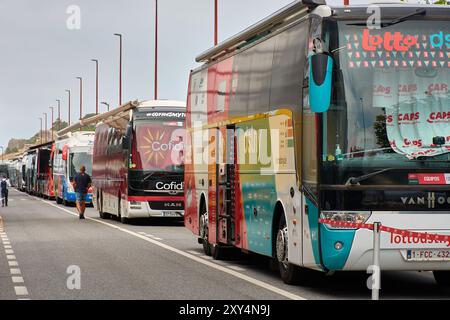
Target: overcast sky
<point>40,57</point>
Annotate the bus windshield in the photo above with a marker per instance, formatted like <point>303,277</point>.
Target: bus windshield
<point>391,99</point>
<point>78,159</point>
<point>158,145</point>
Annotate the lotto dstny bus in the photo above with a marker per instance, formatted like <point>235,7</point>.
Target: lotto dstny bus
<point>138,167</point>
<point>315,114</point>
<point>70,152</point>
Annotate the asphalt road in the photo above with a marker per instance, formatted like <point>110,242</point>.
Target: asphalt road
<point>48,253</point>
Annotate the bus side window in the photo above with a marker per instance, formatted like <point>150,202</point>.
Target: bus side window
<point>288,67</point>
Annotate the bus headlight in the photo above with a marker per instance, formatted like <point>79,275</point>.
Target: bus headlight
<point>135,205</point>
<point>345,216</point>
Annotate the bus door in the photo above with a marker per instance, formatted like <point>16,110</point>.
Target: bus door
<point>226,187</point>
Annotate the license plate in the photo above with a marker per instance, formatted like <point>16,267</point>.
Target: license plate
<point>428,255</point>
<point>170,214</point>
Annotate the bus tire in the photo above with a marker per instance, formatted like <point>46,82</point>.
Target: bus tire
<point>203,227</point>
<point>217,251</point>
<point>442,278</point>
<point>124,220</point>
<point>290,274</point>
<point>103,215</point>
<point>58,200</point>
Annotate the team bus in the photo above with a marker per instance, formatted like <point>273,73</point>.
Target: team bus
<point>319,114</point>
<point>139,161</point>
<point>3,170</point>
<point>30,171</point>
<point>43,170</point>
<point>71,151</point>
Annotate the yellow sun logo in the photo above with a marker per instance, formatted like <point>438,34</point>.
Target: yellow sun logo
<point>151,152</point>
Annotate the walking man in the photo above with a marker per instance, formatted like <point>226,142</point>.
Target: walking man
<point>4,185</point>
<point>81,183</point>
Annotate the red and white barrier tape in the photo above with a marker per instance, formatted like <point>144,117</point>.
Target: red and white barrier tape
<point>401,232</point>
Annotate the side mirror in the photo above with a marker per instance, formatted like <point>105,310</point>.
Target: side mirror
<point>125,143</point>
<point>320,76</point>
<point>126,138</point>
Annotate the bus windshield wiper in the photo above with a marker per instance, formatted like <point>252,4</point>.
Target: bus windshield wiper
<point>356,180</point>
<point>147,176</point>
<point>420,12</point>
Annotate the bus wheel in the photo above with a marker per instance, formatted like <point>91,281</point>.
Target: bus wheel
<point>103,215</point>
<point>289,273</point>
<point>58,200</point>
<point>217,251</point>
<point>442,278</point>
<point>204,230</point>
<point>119,214</point>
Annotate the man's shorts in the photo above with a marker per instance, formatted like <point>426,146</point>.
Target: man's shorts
<point>81,197</point>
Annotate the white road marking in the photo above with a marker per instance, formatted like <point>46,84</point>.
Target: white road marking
<point>23,199</point>
<point>156,238</point>
<point>15,271</point>
<point>193,252</point>
<point>13,263</point>
<point>9,251</point>
<point>236,268</point>
<point>10,257</point>
<point>17,279</point>
<point>21,291</point>
<point>210,264</point>
<point>7,243</point>
<point>7,246</point>
<point>206,257</point>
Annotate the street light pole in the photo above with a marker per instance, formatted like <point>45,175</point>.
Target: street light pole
<point>216,21</point>
<point>45,132</point>
<point>68,91</point>
<point>96,85</point>
<point>59,114</point>
<point>106,104</point>
<point>52,108</point>
<point>156,49</point>
<point>120,67</point>
<point>40,132</point>
<point>81,97</point>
